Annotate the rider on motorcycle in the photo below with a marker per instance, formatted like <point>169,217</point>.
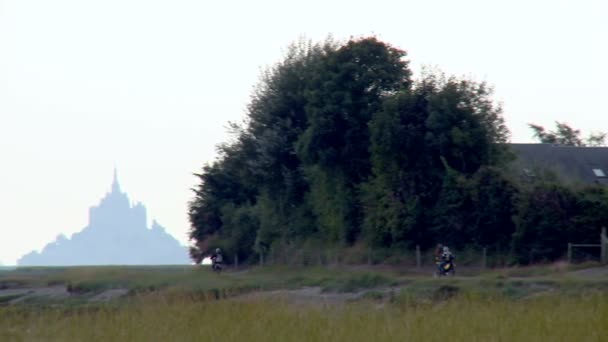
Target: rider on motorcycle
<point>217,258</point>
<point>446,257</point>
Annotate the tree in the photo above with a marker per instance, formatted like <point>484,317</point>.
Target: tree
<point>566,135</point>
<point>543,222</point>
<point>341,146</point>
<point>426,144</point>
<point>348,88</point>
<point>258,176</point>
<point>277,117</point>
<point>494,205</point>
<point>226,183</point>
<point>452,213</point>
<point>596,139</point>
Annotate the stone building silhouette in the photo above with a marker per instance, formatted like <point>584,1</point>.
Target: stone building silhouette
<point>117,234</point>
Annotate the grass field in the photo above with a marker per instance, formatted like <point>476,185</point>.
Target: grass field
<point>189,304</point>
<point>458,319</point>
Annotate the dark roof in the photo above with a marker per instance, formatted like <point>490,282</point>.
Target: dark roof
<point>571,163</point>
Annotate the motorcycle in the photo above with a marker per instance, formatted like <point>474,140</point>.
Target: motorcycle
<point>445,269</point>
<point>216,265</point>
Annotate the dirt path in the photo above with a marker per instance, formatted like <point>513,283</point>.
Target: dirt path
<point>596,272</point>
<point>316,296</point>
<point>109,295</point>
<point>23,294</point>
<point>18,295</point>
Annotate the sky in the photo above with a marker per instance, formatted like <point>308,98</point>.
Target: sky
<point>148,86</point>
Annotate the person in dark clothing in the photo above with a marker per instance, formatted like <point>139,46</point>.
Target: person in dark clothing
<point>446,265</point>
<point>217,259</point>
<point>438,253</point>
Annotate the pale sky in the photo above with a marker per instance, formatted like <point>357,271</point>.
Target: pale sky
<point>149,86</point>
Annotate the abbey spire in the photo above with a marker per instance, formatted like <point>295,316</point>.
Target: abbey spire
<point>115,185</point>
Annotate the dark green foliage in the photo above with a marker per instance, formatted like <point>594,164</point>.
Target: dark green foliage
<point>342,148</point>
<point>464,126</point>
<point>405,177</point>
<point>592,203</point>
<point>239,228</point>
<point>544,223</point>
<point>277,119</point>
<point>228,182</point>
<point>426,144</point>
<point>564,135</point>
<point>550,215</point>
<point>452,215</point>
<point>493,196</point>
<point>260,168</point>
<point>346,91</point>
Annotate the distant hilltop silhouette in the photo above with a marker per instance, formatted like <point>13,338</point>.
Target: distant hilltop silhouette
<point>117,234</point>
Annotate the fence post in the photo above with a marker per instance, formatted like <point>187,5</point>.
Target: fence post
<point>418,261</point>
<point>369,256</point>
<point>569,252</point>
<point>236,261</point>
<point>603,246</point>
<point>484,259</point>
<point>261,259</point>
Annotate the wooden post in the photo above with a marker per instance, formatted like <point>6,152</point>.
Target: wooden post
<point>418,261</point>
<point>484,259</point>
<point>236,261</point>
<point>261,259</point>
<point>369,256</point>
<point>604,246</point>
<point>569,253</point>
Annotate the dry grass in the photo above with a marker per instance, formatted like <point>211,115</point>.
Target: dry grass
<point>464,318</point>
<point>179,304</point>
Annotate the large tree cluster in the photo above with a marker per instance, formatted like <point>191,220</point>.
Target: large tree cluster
<point>342,146</point>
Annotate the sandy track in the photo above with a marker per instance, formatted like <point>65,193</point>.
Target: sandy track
<point>56,293</point>
<point>596,272</point>
<point>314,295</point>
<point>50,292</point>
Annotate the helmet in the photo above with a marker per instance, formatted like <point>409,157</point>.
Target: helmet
<point>217,250</point>
<point>446,249</point>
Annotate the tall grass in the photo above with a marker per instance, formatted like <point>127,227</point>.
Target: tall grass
<point>463,318</point>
